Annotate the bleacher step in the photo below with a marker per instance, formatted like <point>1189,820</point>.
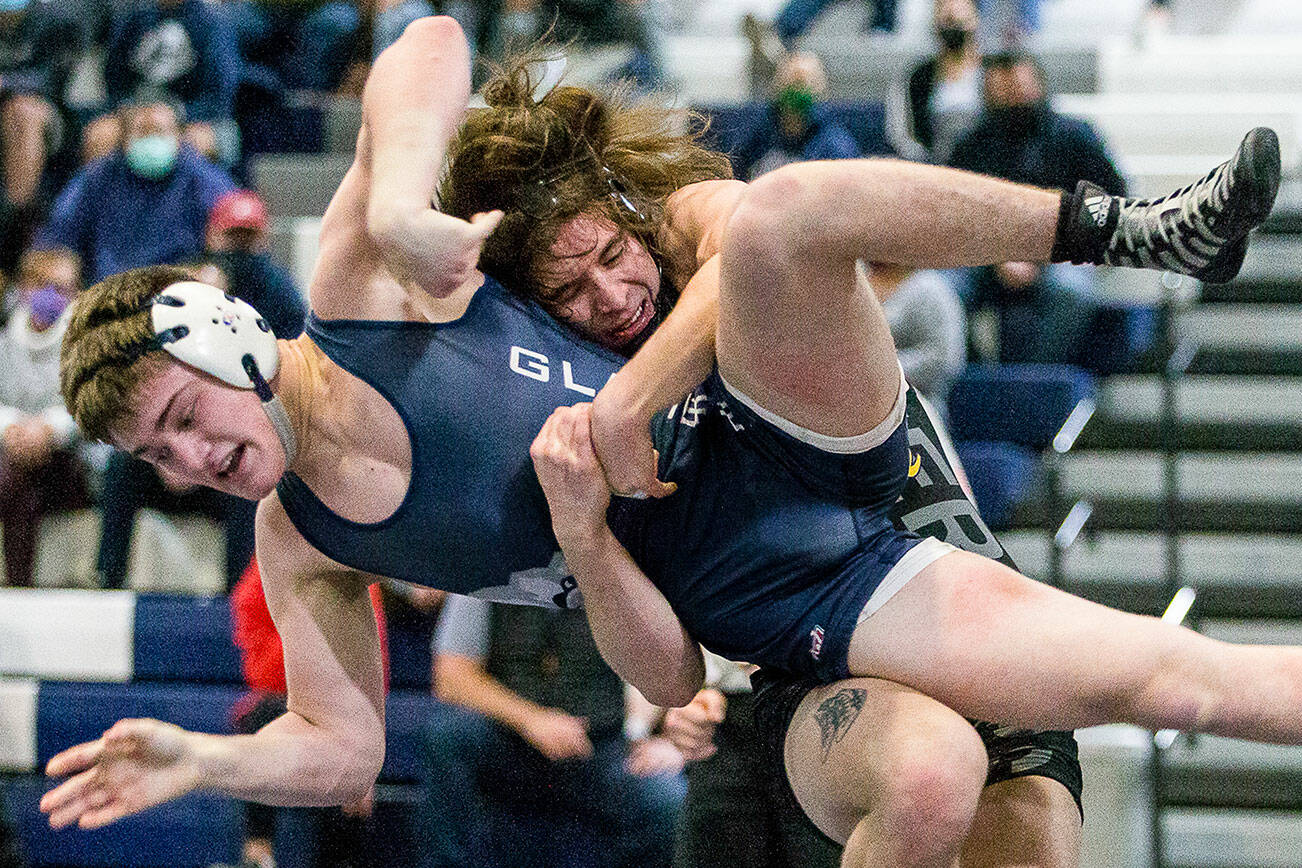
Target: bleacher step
<point>1212,772</point>
<point>1236,575</point>
<point>1218,491</point>
<point>1230,838</point>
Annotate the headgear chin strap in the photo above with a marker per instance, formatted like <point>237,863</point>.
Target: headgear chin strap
<point>224,336</point>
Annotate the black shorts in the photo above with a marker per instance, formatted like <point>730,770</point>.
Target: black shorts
<point>1012,753</point>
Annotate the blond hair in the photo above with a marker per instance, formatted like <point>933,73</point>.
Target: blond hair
<point>108,348</point>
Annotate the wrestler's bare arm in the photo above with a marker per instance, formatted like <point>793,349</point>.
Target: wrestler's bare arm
<point>636,631</point>
<point>326,750</point>
<point>415,98</point>
<point>380,235</point>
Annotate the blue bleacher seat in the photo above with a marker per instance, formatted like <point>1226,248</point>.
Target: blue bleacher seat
<point>185,639</point>
<point>197,830</point>
<point>1001,474</point>
<point>70,712</point>
<point>1023,404</point>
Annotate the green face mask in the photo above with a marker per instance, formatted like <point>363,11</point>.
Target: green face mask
<point>152,156</point>
<point>797,100</point>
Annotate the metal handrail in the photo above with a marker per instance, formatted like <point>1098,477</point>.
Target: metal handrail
<point>1063,442</point>
<point>1181,353</point>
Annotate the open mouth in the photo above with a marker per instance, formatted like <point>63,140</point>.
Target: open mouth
<point>232,464</point>
<point>634,325</point>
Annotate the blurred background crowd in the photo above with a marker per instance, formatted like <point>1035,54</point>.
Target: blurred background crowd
<point>210,133</point>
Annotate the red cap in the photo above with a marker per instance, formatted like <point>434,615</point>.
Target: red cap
<point>238,209</point>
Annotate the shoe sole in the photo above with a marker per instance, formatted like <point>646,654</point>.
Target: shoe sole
<point>1256,180</point>
<point>1259,174</point>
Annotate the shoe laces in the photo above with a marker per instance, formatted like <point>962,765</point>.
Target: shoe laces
<point>1141,222</point>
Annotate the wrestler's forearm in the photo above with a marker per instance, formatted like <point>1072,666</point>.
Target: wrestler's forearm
<point>636,630</point>
<point>675,359</point>
<point>414,100</point>
<point>289,762</point>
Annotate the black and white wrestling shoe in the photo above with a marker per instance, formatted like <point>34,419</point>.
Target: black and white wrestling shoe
<point>1200,230</point>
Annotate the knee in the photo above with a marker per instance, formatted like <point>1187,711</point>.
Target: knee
<point>930,793</point>
<point>768,233</point>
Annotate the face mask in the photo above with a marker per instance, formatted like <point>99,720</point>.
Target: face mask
<point>1019,121</point>
<point>954,38</point>
<point>46,304</point>
<point>798,101</point>
<point>13,5</point>
<point>152,156</point>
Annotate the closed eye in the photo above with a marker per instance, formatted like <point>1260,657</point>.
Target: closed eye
<point>613,256</point>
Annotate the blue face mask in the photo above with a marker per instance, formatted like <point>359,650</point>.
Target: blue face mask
<point>13,5</point>
<point>152,156</point>
<point>47,304</point>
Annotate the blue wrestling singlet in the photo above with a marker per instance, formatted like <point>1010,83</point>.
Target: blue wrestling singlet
<point>770,548</point>
<point>768,552</point>
<point>473,394</point>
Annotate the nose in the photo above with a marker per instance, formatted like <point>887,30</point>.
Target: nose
<point>606,296</point>
<point>188,457</point>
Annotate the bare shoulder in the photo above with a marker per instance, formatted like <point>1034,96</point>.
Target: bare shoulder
<point>696,215</point>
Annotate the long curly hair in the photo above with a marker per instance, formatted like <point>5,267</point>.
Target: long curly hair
<point>104,357</point>
<point>545,159</point>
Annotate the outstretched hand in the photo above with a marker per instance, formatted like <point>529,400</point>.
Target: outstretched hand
<point>621,441</point>
<point>435,251</point>
<point>134,765</point>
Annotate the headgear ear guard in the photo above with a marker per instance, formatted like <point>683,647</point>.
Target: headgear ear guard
<point>221,335</point>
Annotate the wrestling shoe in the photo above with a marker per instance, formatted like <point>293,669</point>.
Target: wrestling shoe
<point>1200,230</point>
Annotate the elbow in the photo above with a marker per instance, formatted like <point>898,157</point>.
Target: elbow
<point>675,696</point>
<point>677,691</point>
<point>431,31</point>
<point>361,769</point>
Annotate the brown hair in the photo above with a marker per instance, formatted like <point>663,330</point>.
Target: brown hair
<point>106,349</point>
<point>546,160</point>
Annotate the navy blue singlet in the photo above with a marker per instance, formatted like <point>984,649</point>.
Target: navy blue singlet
<point>473,394</point>
<point>767,552</point>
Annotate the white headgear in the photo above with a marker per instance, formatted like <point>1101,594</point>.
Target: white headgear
<point>224,336</point>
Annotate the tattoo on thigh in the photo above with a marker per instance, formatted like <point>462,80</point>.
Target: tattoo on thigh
<point>836,714</point>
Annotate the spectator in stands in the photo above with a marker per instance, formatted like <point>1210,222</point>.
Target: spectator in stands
<point>41,470</point>
<point>38,46</point>
<point>795,126</point>
<point>146,203</point>
<point>735,812</point>
<point>340,840</point>
<point>312,46</point>
<point>236,243</point>
<point>928,324</point>
<point>181,50</point>
<point>1043,311</point>
<point>591,22</point>
<point>941,97</point>
<point>542,724</point>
